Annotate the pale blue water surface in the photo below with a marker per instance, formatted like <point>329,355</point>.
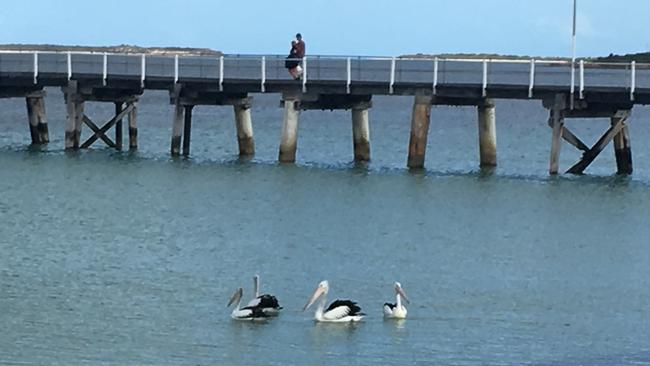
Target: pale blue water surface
<point>118,258</point>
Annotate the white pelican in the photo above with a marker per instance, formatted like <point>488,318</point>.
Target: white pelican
<point>268,303</point>
<point>339,311</point>
<point>396,310</point>
<point>247,313</point>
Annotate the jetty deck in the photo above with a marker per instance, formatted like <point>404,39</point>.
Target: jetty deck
<point>569,90</point>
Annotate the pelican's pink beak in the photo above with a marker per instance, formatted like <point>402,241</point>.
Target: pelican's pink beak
<point>236,296</point>
<point>401,293</point>
<point>317,293</point>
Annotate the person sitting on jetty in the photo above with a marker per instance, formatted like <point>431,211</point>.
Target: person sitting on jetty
<point>300,46</point>
<point>292,62</point>
<point>295,55</point>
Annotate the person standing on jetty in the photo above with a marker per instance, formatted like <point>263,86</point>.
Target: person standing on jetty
<point>293,60</point>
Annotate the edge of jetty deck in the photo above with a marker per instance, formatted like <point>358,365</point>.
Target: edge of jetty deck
<point>568,90</point>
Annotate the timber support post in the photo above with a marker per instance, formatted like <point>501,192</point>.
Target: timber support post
<point>119,106</point>
<point>361,133</point>
<point>177,122</point>
<point>556,120</point>
<point>622,148</point>
<point>187,129</point>
<point>487,133</point>
<point>244,126</point>
<point>289,140</point>
<point>75,109</point>
<point>557,123</point>
<point>36,117</point>
<point>419,131</point>
<point>133,127</point>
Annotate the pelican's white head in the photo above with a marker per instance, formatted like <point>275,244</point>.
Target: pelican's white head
<point>400,292</point>
<point>236,297</point>
<point>325,285</point>
<point>322,289</point>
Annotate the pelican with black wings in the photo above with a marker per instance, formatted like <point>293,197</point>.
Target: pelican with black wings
<point>340,311</point>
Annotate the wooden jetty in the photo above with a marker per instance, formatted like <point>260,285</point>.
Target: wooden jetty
<point>567,89</point>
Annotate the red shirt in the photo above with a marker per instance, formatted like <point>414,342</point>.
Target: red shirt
<point>300,49</point>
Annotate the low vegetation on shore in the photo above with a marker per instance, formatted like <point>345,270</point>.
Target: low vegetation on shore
<point>113,49</point>
<point>638,57</point>
<point>481,56</point>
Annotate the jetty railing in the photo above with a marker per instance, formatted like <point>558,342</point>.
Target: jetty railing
<point>346,70</point>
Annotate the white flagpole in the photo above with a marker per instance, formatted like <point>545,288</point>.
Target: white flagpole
<point>573,53</point>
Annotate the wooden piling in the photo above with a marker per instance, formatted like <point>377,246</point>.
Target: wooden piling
<point>36,117</point>
<point>42,121</point>
<point>118,126</point>
<point>177,129</point>
<point>622,148</point>
<point>487,134</point>
<point>361,134</point>
<point>78,121</point>
<point>177,120</point>
<point>419,131</point>
<point>71,97</point>
<point>33,120</point>
<point>133,127</point>
<point>557,123</point>
<point>289,140</point>
<point>187,129</point>
<point>244,129</point>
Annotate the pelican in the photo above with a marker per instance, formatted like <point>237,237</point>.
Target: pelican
<point>396,310</point>
<point>339,311</point>
<point>268,303</point>
<point>247,313</point>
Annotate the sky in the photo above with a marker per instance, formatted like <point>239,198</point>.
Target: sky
<point>337,27</point>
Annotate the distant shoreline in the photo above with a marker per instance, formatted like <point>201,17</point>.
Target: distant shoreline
<point>481,56</point>
<point>638,57</point>
<point>124,48</point>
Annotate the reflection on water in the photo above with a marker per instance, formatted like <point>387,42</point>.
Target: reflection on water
<point>397,330</point>
<point>323,334</point>
<point>398,323</point>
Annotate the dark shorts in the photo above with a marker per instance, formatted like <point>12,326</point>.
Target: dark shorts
<point>290,64</point>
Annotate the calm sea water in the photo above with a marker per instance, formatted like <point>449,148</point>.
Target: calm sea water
<point>120,258</point>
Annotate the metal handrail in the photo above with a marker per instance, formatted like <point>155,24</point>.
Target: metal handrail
<point>336,57</point>
<point>346,63</point>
